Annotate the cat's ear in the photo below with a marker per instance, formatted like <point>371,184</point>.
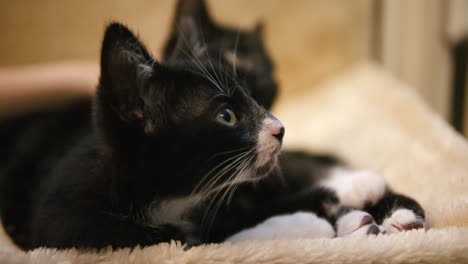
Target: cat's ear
<point>188,41</point>
<point>126,71</point>
<point>191,20</point>
<point>259,28</point>
<point>126,67</point>
<point>195,9</point>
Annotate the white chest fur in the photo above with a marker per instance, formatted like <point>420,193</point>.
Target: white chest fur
<point>172,211</point>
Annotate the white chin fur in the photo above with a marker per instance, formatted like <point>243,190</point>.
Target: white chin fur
<point>267,145</point>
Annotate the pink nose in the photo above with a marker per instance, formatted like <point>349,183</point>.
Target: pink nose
<point>276,128</point>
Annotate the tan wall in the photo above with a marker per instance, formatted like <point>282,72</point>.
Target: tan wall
<point>415,48</point>
<point>309,40</point>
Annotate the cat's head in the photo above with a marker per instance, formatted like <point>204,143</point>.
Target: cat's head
<point>178,129</point>
<point>195,34</point>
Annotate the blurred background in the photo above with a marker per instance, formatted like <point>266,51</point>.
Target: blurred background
<point>422,42</point>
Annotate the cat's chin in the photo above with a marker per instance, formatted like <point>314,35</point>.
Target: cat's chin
<point>267,169</point>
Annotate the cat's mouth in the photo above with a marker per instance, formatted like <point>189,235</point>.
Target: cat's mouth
<point>268,166</point>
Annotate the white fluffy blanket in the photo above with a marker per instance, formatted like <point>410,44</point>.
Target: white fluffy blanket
<point>373,121</point>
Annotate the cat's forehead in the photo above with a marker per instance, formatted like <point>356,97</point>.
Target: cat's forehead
<point>199,83</point>
<point>212,73</point>
<point>203,79</point>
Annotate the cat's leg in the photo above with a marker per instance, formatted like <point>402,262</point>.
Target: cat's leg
<point>296,225</point>
<point>398,213</point>
<point>352,222</point>
<point>267,210</point>
<point>367,191</point>
<point>354,188</point>
<point>96,230</point>
<point>318,184</point>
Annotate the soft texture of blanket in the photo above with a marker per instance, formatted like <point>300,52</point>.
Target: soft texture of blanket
<point>373,121</point>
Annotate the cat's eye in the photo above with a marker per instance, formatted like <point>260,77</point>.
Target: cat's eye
<point>226,117</point>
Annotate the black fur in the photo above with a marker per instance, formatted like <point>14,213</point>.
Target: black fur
<point>31,144</point>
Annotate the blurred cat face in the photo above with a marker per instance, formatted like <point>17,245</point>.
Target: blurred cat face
<point>195,35</point>
<point>183,128</point>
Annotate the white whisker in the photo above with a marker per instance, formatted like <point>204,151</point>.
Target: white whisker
<point>197,61</point>
<point>236,43</point>
<point>231,183</point>
<point>196,189</point>
<point>215,179</point>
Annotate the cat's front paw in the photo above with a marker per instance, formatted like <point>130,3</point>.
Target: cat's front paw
<point>356,189</point>
<point>402,220</point>
<point>297,225</point>
<point>357,223</point>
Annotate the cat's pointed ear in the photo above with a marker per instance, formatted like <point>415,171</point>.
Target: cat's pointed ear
<point>191,20</point>
<point>187,42</point>
<point>259,28</point>
<point>195,9</point>
<point>126,70</point>
<point>124,60</point>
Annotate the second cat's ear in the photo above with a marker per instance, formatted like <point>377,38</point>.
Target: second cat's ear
<point>259,29</point>
<point>191,23</point>
<point>188,40</point>
<point>195,9</point>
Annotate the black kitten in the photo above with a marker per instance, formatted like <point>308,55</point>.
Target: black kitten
<point>195,35</point>
<point>164,139</point>
<point>169,144</point>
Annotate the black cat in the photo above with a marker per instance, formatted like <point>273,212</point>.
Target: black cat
<point>168,144</point>
<point>164,139</point>
<point>195,35</point>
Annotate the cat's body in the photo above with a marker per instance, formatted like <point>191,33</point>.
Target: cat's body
<point>32,144</point>
<point>47,136</point>
<point>250,205</point>
<point>180,150</point>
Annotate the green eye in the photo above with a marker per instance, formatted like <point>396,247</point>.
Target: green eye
<point>226,117</point>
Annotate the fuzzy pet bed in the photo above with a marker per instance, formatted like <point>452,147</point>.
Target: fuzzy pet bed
<point>375,122</point>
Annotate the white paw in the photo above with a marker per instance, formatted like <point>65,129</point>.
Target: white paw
<point>355,189</point>
<point>402,220</point>
<point>297,225</point>
<point>358,223</point>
